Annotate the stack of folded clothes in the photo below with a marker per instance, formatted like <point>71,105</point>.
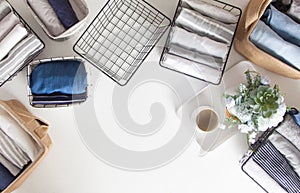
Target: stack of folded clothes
<point>17,43</point>
<point>56,15</point>
<point>278,34</point>
<point>200,40</point>
<point>58,82</point>
<point>17,150</point>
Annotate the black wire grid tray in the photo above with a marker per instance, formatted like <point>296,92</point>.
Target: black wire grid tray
<point>121,36</point>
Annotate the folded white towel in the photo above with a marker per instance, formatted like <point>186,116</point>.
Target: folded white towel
<point>46,14</point>
<point>212,11</point>
<point>24,140</point>
<point>8,165</point>
<point>198,43</point>
<point>12,39</point>
<point>7,24</point>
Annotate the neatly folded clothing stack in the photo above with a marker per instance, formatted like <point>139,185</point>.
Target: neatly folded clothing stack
<point>17,43</point>
<point>200,40</point>
<point>56,15</point>
<point>58,82</point>
<point>278,34</point>
<point>17,149</point>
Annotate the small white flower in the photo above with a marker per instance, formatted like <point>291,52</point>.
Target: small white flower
<point>244,128</point>
<point>230,102</point>
<point>252,137</point>
<point>265,80</point>
<point>242,87</point>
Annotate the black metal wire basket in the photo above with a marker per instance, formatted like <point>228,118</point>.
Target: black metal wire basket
<point>121,36</point>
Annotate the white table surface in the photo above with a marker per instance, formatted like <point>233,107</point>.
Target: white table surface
<point>70,167</point>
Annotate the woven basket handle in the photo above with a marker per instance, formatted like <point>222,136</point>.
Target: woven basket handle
<point>254,11</point>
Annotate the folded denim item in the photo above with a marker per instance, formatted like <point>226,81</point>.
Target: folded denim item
<point>11,151</point>
<point>191,68</point>
<point>212,11</point>
<point>6,178</point>
<point>65,77</point>
<point>12,39</point>
<point>24,140</point>
<point>8,165</point>
<point>294,10</point>
<point>202,25</point>
<point>277,167</point>
<point>201,44</point>
<point>269,41</point>
<point>19,55</point>
<point>4,9</point>
<point>46,14</point>
<point>210,61</point>
<point>287,149</point>
<point>7,24</point>
<point>65,12</point>
<point>283,25</point>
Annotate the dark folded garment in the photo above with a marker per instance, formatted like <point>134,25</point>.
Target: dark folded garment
<point>58,98</point>
<point>64,12</point>
<point>6,178</point>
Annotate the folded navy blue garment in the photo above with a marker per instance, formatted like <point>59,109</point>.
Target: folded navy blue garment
<point>64,77</point>
<point>58,99</point>
<point>283,25</point>
<point>6,178</point>
<point>275,164</point>
<point>64,12</point>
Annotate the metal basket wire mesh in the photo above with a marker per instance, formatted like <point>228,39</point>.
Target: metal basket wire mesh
<point>121,36</point>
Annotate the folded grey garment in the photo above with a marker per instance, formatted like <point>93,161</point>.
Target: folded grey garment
<point>294,10</point>
<point>287,149</point>
<point>202,25</point>
<point>290,130</point>
<point>211,61</point>
<point>23,139</point>
<point>262,177</point>
<point>8,165</point>
<point>201,44</point>
<point>4,9</point>
<point>12,39</point>
<point>46,14</point>
<point>212,11</point>
<point>11,151</point>
<point>7,24</point>
<point>19,55</point>
<point>191,68</point>
<point>269,41</point>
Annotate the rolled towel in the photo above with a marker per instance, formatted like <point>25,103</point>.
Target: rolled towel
<point>14,170</point>
<point>46,14</point>
<point>201,44</point>
<point>191,68</point>
<point>210,61</point>
<point>12,39</point>
<point>269,41</point>
<point>64,77</point>
<point>5,8</point>
<point>294,10</point>
<point>283,25</point>
<point>7,24</point>
<point>6,178</point>
<point>65,12</point>
<point>24,140</point>
<point>27,48</point>
<point>202,25</point>
<point>212,11</point>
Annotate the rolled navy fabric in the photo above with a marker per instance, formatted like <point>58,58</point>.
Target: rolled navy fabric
<point>294,10</point>
<point>269,41</point>
<point>64,12</point>
<point>7,24</point>
<point>283,25</point>
<point>46,14</point>
<point>6,178</point>
<point>14,170</point>
<point>4,9</point>
<point>64,77</point>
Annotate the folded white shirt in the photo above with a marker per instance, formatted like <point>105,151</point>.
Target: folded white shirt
<point>195,22</point>
<point>12,39</point>
<point>201,44</point>
<point>14,170</point>
<point>7,24</point>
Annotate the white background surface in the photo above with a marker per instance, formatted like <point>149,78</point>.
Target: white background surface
<point>71,168</point>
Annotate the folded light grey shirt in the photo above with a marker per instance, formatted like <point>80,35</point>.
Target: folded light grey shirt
<point>294,10</point>
<point>212,11</point>
<point>14,170</point>
<point>7,24</point>
<point>4,9</point>
<point>202,25</point>
<point>46,14</point>
<point>201,44</point>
